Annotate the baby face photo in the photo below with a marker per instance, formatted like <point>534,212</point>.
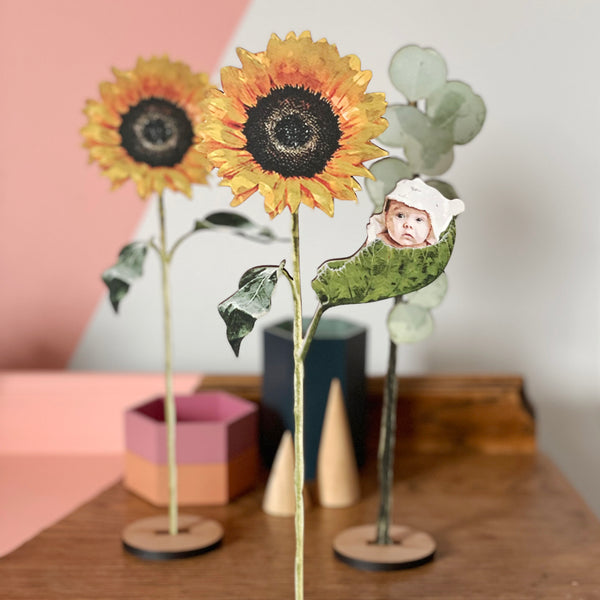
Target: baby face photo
<point>414,215</point>
<point>405,226</point>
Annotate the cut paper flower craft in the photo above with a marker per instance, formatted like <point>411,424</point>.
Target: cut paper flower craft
<point>438,115</point>
<point>294,123</point>
<point>146,129</point>
<point>146,126</point>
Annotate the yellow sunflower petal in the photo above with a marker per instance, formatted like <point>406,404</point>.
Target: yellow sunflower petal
<point>293,194</point>
<point>228,136</point>
<point>107,155</point>
<point>321,196</point>
<point>339,187</point>
<point>308,198</point>
<point>234,84</point>
<point>177,181</point>
<point>101,114</point>
<point>255,73</point>
<point>243,196</point>
<point>95,132</point>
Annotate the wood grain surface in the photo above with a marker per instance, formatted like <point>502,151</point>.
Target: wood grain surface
<point>485,413</point>
<point>507,526</point>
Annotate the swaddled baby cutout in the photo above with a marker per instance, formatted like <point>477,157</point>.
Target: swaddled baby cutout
<point>408,246</point>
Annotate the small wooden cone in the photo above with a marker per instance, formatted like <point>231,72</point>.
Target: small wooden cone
<point>280,496</point>
<point>337,473</point>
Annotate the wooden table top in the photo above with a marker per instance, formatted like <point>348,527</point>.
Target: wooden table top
<point>508,526</point>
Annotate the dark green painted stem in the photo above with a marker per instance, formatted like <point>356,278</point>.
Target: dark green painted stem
<point>387,445</point>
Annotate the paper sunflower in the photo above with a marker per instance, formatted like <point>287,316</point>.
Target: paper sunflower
<point>293,123</point>
<point>145,127</point>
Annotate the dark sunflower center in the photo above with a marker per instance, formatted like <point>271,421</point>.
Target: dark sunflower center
<point>157,132</point>
<point>292,131</point>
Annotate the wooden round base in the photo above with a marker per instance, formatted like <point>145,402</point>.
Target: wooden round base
<point>150,539</point>
<point>356,547</point>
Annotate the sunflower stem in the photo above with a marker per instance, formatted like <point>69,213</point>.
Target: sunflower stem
<point>178,243</point>
<point>387,444</point>
<point>298,412</point>
<point>170,411</point>
<point>310,332</point>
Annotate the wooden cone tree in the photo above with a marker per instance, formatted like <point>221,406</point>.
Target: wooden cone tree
<point>337,472</point>
<point>279,499</point>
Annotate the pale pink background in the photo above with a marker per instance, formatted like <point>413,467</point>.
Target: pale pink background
<point>62,441</point>
<point>61,438</point>
<point>60,225</point>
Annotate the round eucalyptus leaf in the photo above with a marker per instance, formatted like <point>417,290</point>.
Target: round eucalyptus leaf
<point>405,122</point>
<point>431,295</point>
<point>398,116</point>
<point>387,172</point>
<point>417,71</point>
<point>457,107</point>
<point>431,155</point>
<point>409,323</point>
<point>428,148</point>
<point>443,187</point>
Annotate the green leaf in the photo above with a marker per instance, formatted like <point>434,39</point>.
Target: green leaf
<point>251,301</point>
<point>128,268</point>
<point>428,148</point>
<point>428,159</point>
<point>417,71</point>
<point>431,295</point>
<point>443,187</point>
<point>378,271</point>
<point>387,172</point>
<point>237,224</point>
<point>409,323</point>
<point>456,107</point>
<point>403,121</point>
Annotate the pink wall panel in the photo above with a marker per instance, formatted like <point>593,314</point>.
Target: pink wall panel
<point>60,225</point>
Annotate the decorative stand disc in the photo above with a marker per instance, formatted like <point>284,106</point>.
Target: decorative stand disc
<point>150,539</point>
<point>411,548</point>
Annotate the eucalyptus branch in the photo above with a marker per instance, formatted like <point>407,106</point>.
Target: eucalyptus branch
<point>387,445</point>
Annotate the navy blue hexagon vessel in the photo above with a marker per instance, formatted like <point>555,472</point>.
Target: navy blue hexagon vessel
<point>337,350</point>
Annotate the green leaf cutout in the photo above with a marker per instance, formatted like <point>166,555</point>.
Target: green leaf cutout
<point>128,268</point>
<point>387,172</point>
<point>378,271</point>
<point>238,224</point>
<point>409,323</point>
<point>457,108</point>
<point>251,301</point>
<point>417,71</point>
<point>443,187</point>
<point>431,295</point>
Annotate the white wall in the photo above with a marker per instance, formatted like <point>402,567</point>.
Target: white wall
<point>523,294</point>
